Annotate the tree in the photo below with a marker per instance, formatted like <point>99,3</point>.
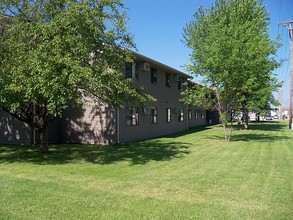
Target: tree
<point>258,98</point>
<point>54,52</point>
<point>232,52</point>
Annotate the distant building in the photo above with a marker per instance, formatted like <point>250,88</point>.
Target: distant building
<point>285,112</point>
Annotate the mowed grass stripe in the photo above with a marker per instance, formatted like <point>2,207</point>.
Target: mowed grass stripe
<point>193,175</point>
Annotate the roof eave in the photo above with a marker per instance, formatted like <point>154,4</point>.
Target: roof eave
<point>157,63</point>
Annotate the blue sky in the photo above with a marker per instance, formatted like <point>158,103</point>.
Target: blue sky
<point>157,26</point>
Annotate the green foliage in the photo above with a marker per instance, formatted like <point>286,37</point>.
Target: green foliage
<point>54,52</point>
<point>232,52</point>
<point>198,95</point>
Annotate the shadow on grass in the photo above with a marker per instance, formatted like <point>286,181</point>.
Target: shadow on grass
<point>190,131</point>
<point>267,125</point>
<point>264,131</point>
<point>257,137</point>
<point>250,137</point>
<point>135,153</point>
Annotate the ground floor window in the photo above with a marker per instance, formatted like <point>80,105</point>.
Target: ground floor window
<point>189,114</point>
<point>202,114</point>
<point>132,116</point>
<point>196,114</point>
<point>168,113</point>
<point>181,114</point>
<point>154,115</point>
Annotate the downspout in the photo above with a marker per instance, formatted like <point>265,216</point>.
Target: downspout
<point>187,119</point>
<point>34,121</point>
<point>117,126</point>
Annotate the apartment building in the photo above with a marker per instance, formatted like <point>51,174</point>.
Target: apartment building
<point>168,114</point>
<point>99,123</point>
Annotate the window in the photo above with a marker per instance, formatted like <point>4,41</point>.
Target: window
<point>132,116</point>
<point>180,84</point>
<point>131,70</point>
<point>154,115</point>
<point>154,75</point>
<point>181,114</point>
<point>196,114</point>
<point>168,114</point>
<point>168,80</point>
<point>202,114</point>
<point>189,114</point>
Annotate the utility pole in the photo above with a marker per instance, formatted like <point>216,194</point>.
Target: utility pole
<point>289,25</point>
<point>280,102</point>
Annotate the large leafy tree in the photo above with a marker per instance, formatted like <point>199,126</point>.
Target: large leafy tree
<point>52,53</point>
<point>232,52</point>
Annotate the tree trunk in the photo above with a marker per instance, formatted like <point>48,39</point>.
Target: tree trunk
<point>230,130</point>
<point>224,118</point>
<point>227,131</point>
<point>44,147</point>
<point>245,118</point>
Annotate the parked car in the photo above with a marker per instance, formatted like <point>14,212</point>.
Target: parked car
<point>276,117</point>
<point>269,118</point>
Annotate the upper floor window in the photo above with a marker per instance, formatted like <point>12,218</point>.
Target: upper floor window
<point>154,115</point>
<point>168,114</point>
<point>168,80</point>
<point>132,117</point>
<point>131,70</point>
<point>154,75</point>
<point>180,84</point>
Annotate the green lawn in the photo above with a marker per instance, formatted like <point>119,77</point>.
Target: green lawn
<point>194,175</point>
